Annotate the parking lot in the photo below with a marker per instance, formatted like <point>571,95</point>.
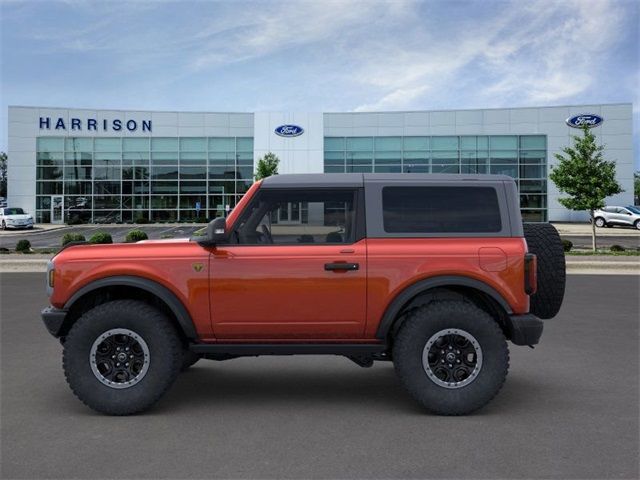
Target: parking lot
<point>579,234</point>
<point>569,409</point>
<point>52,238</point>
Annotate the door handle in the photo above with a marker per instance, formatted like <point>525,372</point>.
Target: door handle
<point>341,266</point>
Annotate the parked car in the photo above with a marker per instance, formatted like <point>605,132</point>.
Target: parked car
<point>15,218</point>
<point>610,216</point>
<point>432,272</point>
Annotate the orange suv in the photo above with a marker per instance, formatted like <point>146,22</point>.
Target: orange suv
<point>432,272</point>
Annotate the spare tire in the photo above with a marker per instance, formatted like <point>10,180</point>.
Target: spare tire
<point>544,241</point>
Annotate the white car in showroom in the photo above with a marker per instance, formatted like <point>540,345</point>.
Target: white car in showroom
<point>15,218</point>
<point>610,216</point>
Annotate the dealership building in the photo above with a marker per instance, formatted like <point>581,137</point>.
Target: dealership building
<point>124,166</point>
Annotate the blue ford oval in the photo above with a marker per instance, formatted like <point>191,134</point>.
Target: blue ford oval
<point>289,131</point>
<point>584,119</point>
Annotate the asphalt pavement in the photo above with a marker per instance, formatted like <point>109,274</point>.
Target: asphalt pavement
<point>53,238</point>
<point>569,409</point>
<point>579,234</point>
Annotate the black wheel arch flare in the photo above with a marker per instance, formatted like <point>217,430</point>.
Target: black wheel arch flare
<point>153,288</point>
<point>405,297</point>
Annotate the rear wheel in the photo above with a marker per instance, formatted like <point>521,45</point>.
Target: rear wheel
<point>120,357</point>
<point>451,356</point>
<point>544,241</point>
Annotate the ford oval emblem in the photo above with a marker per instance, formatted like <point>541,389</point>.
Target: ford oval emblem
<point>588,120</point>
<point>289,131</point>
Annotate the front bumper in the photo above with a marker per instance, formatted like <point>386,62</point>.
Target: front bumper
<point>525,329</point>
<point>53,319</point>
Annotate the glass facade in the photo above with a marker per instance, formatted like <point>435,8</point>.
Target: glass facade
<point>523,157</point>
<point>131,179</point>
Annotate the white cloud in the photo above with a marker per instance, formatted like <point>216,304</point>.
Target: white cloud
<point>532,53</point>
<point>271,27</point>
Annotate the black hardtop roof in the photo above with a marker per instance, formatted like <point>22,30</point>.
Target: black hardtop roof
<point>359,179</point>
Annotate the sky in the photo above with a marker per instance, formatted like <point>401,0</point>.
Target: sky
<point>346,55</point>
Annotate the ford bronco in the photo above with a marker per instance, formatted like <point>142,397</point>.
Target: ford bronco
<point>432,272</point>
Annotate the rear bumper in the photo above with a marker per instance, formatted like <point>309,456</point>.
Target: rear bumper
<point>525,329</point>
<point>53,319</point>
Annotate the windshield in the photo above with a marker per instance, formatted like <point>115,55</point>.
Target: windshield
<point>13,211</point>
<point>634,209</point>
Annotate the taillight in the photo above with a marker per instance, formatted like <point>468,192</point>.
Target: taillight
<point>530,273</point>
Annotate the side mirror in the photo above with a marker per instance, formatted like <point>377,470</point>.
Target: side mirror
<point>216,232</point>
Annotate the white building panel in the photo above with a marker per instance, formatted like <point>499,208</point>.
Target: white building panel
<point>305,153</point>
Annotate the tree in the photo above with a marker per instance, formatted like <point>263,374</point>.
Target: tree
<point>636,188</point>
<point>267,166</point>
<point>3,174</point>
<point>585,176</point>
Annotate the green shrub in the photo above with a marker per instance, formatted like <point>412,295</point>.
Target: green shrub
<point>23,246</point>
<point>135,236</point>
<point>142,220</point>
<point>567,245</point>
<point>617,248</point>
<point>101,237</point>
<point>72,237</point>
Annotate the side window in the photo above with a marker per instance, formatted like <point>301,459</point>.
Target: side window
<point>440,210</point>
<point>292,217</point>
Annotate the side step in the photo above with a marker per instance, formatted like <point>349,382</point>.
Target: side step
<point>254,349</point>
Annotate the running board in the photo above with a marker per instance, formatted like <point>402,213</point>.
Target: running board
<point>254,349</point>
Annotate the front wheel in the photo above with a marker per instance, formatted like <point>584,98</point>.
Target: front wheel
<point>600,222</point>
<point>4,225</point>
<point>637,224</point>
<point>120,357</point>
<point>451,356</point>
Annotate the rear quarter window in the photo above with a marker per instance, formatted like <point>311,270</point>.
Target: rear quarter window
<point>441,209</point>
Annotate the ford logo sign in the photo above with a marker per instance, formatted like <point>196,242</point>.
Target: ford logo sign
<point>584,120</point>
<point>289,131</point>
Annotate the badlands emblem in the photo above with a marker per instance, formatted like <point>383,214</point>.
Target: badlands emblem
<point>198,267</point>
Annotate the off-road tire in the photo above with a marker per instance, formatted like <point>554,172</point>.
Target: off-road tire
<point>410,341</point>
<point>544,241</point>
<point>165,356</point>
<point>189,359</point>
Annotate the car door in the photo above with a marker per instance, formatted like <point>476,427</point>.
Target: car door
<point>618,217</point>
<point>295,268</point>
<point>625,216</point>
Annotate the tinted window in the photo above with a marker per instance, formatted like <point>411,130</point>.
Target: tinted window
<point>298,217</point>
<point>440,209</point>
<point>13,211</point>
